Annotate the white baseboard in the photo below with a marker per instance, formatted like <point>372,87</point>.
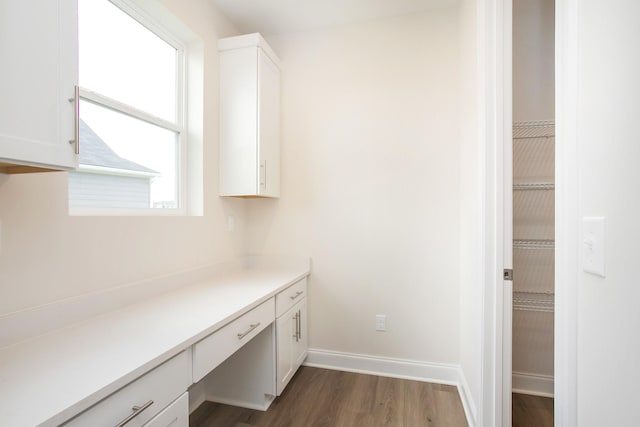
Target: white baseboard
<point>397,368</point>
<point>241,403</point>
<point>533,384</point>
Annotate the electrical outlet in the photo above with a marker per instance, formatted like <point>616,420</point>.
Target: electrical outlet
<point>381,322</point>
<point>231,223</point>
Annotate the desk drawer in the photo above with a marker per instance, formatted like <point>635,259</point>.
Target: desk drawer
<point>214,349</point>
<point>160,386</point>
<point>175,415</point>
<point>290,296</point>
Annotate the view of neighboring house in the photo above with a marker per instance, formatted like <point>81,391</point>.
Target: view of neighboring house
<point>105,179</point>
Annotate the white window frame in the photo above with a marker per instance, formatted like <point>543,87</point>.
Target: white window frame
<point>179,126</point>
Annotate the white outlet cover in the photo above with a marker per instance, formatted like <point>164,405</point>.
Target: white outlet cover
<point>593,245</point>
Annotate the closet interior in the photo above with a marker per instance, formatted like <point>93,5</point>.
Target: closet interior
<point>533,202</point>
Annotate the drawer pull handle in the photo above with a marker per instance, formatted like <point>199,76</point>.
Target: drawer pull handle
<point>297,295</point>
<point>137,410</point>
<point>248,331</point>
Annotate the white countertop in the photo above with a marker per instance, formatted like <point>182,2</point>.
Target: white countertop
<point>48,379</point>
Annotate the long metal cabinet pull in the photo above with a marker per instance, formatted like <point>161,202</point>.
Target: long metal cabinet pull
<point>76,105</point>
<point>299,325</point>
<point>296,295</point>
<point>263,174</point>
<point>295,333</point>
<point>248,331</point>
<point>137,410</point>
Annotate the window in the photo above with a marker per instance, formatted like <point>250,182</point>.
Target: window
<point>132,139</point>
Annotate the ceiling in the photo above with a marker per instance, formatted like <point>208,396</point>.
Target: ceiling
<point>287,16</point>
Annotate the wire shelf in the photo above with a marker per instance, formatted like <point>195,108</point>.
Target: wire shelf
<point>534,186</point>
<point>534,244</point>
<point>534,301</point>
<point>533,130</point>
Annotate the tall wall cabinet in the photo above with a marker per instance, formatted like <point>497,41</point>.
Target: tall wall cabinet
<point>249,117</point>
<point>37,83</point>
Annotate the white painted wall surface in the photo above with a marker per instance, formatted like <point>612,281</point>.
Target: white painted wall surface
<point>45,255</point>
<point>471,272</point>
<point>608,153</point>
<point>370,183</point>
<point>533,60</point>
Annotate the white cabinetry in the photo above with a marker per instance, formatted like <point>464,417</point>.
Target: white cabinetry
<point>37,79</point>
<point>217,347</point>
<point>142,399</point>
<point>175,415</point>
<point>291,332</point>
<point>249,118</point>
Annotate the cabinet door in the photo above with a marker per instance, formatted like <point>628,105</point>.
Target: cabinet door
<point>238,122</point>
<point>291,334</point>
<point>269,126</point>
<point>301,344</point>
<point>286,335</point>
<point>38,41</point>
<point>174,415</point>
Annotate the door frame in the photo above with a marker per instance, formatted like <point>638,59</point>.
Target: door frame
<point>495,57</point>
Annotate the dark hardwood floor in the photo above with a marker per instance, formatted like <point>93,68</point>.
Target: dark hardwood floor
<point>532,411</point>
<point>320,397</point>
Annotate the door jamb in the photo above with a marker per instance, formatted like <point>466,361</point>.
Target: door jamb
<point>494,58</point>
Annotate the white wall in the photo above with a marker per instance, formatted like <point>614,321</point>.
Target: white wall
<point>608,153</point>
<point>533,60</point>
<point>370,183</point>
<point>471,178</point>
<point>45,255</point>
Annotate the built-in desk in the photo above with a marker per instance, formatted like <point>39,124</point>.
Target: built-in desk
<point>50,379</point>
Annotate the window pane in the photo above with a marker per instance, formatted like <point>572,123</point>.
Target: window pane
<point>124,162</point>
<point>121,59</point>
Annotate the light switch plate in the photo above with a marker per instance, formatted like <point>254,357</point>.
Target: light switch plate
<point>593,245</point>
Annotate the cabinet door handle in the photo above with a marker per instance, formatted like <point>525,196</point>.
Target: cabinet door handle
<point>263,174</point>
<point>137,410</point>
<point>295,333</point>
<point>76,107</point>
<point>296,295</point>
<point>299,325</point>
<point>248,331</point>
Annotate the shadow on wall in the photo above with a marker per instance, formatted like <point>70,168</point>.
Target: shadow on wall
<point>260,227</point>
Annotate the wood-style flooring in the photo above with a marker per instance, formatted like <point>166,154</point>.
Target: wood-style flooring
<point>532,411</point>
<point>320,397</point>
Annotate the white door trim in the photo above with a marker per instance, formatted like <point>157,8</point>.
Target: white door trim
<point>492,62</point>
<point>494,55</point>
<point>566,225</point>
<point>506,142</point>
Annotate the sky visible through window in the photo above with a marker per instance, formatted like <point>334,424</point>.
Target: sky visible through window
<point>121,59</point>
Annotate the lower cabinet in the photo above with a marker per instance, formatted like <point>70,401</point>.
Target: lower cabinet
<point>291,331</point>
<point>144,399</point>
<point>175,415</point>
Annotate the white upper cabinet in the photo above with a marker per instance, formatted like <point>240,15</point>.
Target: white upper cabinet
<point>249,118</point>
<point>39,73</point>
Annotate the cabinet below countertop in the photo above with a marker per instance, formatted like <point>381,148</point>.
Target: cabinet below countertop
<point>75,367</point>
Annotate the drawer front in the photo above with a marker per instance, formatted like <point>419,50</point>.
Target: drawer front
<point>175,415</point>
<point>161,386</point>
<point>214,349</point>
<point>290,296</point>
